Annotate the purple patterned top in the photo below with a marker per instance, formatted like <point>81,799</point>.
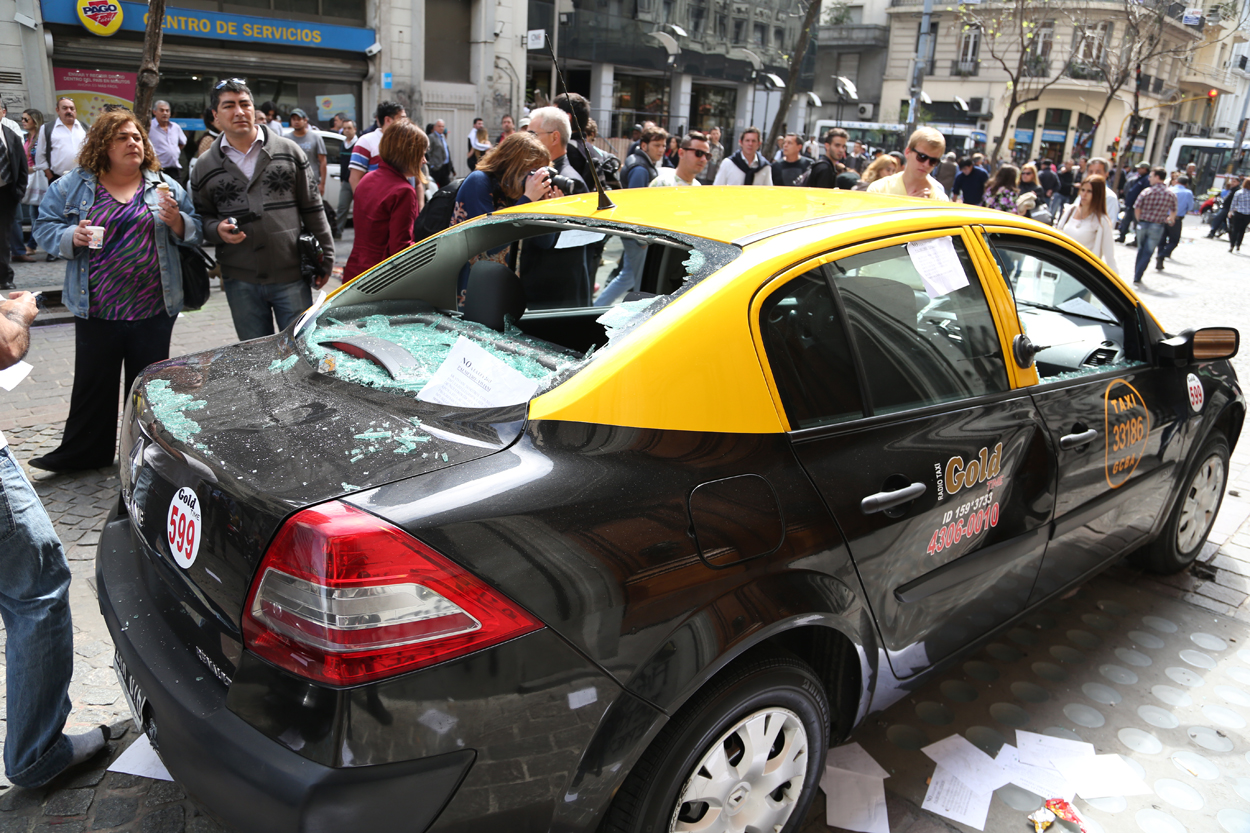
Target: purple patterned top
<point>125,275</point>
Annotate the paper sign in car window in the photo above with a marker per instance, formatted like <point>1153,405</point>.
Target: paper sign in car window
<point>572,239</point>
<point>938,265</point>
<point>470,377</point>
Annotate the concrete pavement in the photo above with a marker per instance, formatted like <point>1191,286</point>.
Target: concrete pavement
<point>1201,287</point>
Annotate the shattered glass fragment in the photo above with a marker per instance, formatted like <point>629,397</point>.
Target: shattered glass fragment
<point>168,407</point>
<point>281,365</point>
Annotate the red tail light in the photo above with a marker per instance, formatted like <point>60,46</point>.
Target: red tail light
<point>344,598</point>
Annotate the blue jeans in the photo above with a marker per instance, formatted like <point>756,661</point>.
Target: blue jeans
<point>1148,237</point>
<point>630,276</point>
<point>34,602</point>
<point>254,306</point>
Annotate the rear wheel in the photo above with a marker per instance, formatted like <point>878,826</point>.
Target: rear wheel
<point>1194,513</point>
<point>744,754</point>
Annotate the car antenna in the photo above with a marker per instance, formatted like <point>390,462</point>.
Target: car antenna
<point>605,202</point>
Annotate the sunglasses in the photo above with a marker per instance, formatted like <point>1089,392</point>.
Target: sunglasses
<point>699,154</point>
<point>223,83</point>
<point>924,158</point>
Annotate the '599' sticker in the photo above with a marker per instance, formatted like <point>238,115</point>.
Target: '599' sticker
<point>183,526</point>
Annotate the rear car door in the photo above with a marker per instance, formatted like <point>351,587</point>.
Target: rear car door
<point>901,411</point>
<point>1113,419</point>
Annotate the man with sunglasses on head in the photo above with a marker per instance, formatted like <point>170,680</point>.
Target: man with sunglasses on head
<point>924,151</point>
<point>256,192</point>
<point>692,157</point>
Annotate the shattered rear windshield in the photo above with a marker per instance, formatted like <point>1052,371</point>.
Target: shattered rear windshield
<point>498,310</point>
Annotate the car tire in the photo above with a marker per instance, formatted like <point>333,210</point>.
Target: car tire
<point>1194,513</point>
<point>774,694</point>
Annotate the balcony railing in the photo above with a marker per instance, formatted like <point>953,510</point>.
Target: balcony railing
<point>1036,68</point>
<point>965,68</point>
<point>1086,71</point>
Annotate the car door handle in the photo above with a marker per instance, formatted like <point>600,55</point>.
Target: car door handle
<point>887,500</point>
<point>1068,441</point>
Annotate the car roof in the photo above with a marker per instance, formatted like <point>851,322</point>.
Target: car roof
<point>733,214</point>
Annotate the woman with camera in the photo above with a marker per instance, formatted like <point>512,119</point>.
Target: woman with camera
<point>513,172</point>
<point>118,222</point>
<point>386,203</point>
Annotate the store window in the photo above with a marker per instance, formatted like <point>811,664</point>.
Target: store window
<point>346,12</point>
<point>712,107</point>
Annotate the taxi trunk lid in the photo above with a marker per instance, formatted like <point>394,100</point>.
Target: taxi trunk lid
<point>218,448</point>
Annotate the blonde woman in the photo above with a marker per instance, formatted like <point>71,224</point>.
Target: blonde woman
<point>881,167</point>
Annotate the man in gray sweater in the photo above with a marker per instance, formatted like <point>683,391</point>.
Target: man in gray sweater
<point>255,192</point>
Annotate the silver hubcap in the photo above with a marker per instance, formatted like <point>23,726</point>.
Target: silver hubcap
<point>749,780</point>
<point>1200,503</point>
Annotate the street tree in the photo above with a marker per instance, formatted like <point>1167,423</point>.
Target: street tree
<point>150,67</point>
<point>1017,37</point>
<point>792,78</point>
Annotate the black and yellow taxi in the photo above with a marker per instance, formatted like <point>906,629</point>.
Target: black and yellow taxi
<point>503,565</point>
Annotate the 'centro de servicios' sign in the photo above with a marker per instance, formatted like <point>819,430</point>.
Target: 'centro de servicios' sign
<point>105,17</point>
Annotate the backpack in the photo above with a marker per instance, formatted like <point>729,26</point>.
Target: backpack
<point>808,175</point>
<point>436,215</point>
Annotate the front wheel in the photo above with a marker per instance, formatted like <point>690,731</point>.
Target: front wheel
<point>1194,513</point>
<point>744,754</point>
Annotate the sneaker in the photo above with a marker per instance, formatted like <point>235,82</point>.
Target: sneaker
<point>1159,266</point>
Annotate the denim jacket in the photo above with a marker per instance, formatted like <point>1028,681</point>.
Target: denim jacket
<point>69,200</point>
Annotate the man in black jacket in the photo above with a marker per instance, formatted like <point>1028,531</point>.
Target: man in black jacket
<point>12,189</point>
<point>640,166</point>
<point>824,171</point>
<point>1131,192</point>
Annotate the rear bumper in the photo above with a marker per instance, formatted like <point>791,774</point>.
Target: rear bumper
<point>245,777</point>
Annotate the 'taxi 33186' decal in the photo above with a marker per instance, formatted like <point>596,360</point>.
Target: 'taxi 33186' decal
<point>1127,423</point>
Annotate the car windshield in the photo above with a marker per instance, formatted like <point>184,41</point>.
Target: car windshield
<point>494,312</point>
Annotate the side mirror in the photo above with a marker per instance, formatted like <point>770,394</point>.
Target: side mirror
<point>1207,344</point>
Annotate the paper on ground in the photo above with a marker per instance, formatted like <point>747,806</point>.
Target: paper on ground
<point>966,762</point>
<point>1045,751</point>
<point>1102,776</point>
<point>938,265</point>
<point>854,801</point>
<point>141,759</point>
<point>472,378</point>
<point>12,375</point>
<point>851,757</point>
<point>950,797</point>
<point>1043,781</point>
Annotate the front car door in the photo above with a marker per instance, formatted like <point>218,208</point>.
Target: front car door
<point>901,410</point>
<point>1113,418</point>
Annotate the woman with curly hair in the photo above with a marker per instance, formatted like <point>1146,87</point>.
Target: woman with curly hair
<point>125,289</point>
<point>513,172</point>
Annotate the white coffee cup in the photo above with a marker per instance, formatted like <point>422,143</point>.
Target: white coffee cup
<point>97,237</point>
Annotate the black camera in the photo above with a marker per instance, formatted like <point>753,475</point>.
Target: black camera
<point>566,185</point>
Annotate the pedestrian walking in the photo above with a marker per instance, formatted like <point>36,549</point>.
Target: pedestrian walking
<point>1239,215</point>
<point>270,112</point>
<point>793,164</point>
<point>879,168</point>
<point>1132,191</point>
<point>59,142</point>
<point>35,608</point>
<point>479,142</point>
<point>312,144</point>
<point>13,176</point>
<point>1049,180</point>
<point>365,152</point>
<point>1028,180</point>
<point>924,150</point>
<point>1172,234</point>
<point>168,139</point>
<point>438,157</point>
<point>641,166</point>
<point>210,135</point>
<point>1154,207</point>
<point>345,185</point>
<point>715,156</point>
<point>123,283</point>
<point>638,171</point>
<point>1098,166</point>
<point>387,204</point>
<point>1087,222</point>
<point>692,156</point>
<point>747,166</point>
<point>1219,223</point>
<point>514,172</point>
<point>824,171</point>
<point>255,192</point>
<point>36,184</point>
<point>946,172</point>
<point>1003,190</point>
<point>506,128</point>
<point>969,187</point>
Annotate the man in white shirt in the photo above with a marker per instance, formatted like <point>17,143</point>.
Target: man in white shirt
<point>168,140</point>
<point>8,122</point>
<point>692,158</point>
<point>56,149</point>
<point>474,143</point>
<point>747,166</point>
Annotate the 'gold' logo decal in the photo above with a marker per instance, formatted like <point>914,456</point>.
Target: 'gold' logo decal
<point>1128,427</point>
<point>960,475</point>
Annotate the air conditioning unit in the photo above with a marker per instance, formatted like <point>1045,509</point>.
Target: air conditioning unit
<point>866,111</point>
<point>978,107</point>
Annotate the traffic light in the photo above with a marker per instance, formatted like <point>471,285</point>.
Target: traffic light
<point>1211,94</point>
